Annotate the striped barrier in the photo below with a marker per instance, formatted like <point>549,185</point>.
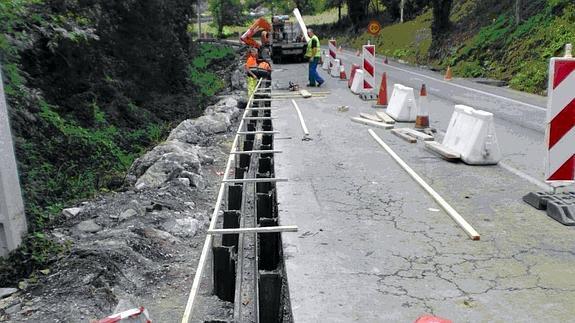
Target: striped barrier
<point>332,52</point>
<point>368,68</point>
<point>560,164</point>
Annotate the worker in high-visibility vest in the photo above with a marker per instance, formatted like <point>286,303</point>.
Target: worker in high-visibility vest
<point>251,62</point>
<point>314,55</point>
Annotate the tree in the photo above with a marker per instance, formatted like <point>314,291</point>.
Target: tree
<point>441,12</point>
<point>335,4</point>
<point>517,12</point>
<point>225,13</point>
<point>357,10</point>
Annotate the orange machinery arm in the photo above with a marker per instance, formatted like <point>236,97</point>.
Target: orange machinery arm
<point>259,24</point>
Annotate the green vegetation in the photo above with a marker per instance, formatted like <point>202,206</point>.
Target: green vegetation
<point>518,53</point>
<point>485,41</point>
<point>88,92</point>
<point>201,73</point>
<point>409,41</point>
<point>328,16</point>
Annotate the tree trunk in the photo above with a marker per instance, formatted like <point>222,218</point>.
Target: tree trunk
<point>401,7</point>
<point>517,12</point>
<point>441,12</point>
<point>339,13</point>
<point>440,26</point>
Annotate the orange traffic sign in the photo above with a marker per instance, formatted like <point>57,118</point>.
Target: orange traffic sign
<point>374,27</point>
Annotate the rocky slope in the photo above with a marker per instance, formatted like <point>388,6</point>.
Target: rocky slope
<point>139,246</point>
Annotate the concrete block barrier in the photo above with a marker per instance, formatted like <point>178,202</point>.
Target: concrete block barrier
<point>325,65</point>
<point>335,68</point>
<point>471,133</point>
<point>357,84</point>
<point>402,105</point>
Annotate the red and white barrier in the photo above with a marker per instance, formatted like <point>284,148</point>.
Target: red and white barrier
<point>135,315</point>
<point>560,164</point>
<point>332,52</point>
<point>368,68</point>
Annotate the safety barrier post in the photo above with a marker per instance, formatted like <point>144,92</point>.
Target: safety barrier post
<point>12,217</point>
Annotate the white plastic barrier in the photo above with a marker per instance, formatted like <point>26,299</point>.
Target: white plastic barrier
<point>471,133</point>
<point>325,64</point>
<point>357,84</point>
<point>402,105</point>
<point>335,68</point>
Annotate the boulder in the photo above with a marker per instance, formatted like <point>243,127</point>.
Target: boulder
<point>185,227</point>
<point>88,226</point>
<point>163,163</point>
<point>71,212</point>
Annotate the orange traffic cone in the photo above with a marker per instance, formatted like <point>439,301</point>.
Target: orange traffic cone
<point>354,68</point>
<point>382,97</point>
<point>342,76</point>
<point>422,118</point>
<point>448,74</point>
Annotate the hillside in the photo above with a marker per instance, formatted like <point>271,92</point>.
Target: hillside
<point>90,87</point>
<point>484,40</point>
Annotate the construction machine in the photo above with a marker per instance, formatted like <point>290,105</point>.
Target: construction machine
<point>287,39</point>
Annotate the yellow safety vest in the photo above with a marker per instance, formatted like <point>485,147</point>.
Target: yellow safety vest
<point>308,51</point>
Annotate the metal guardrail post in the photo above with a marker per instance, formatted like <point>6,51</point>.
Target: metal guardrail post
<point>12,217</point>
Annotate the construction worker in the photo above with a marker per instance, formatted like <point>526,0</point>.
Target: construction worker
<point>264,50</point>
<point>251,62</point>
<point>314,55</point>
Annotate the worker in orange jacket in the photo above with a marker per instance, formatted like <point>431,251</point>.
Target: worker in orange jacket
<point>251,62</point>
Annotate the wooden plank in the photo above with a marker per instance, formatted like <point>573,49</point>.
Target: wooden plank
<point>305,93</point>
<point>372,123</point>
<point>450,211</point>
<point>444,152</point>
<point>254,180</point>
<point>404,136</point>
<point>370,117</point>
<point>385,117</point>
<point>252,152</point>
<point>286,228</point>
<point>418,135</point>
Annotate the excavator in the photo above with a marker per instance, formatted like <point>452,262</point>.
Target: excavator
<point>287,40</point>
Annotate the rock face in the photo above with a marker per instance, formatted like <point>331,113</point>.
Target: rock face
<point>182,154</point>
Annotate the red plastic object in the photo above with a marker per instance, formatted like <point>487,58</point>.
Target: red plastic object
<point>432,319</point>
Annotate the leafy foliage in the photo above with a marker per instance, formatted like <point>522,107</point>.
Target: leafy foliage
<point>90,86</point>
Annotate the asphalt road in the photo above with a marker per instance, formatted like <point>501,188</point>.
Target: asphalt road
<point>374,247</point>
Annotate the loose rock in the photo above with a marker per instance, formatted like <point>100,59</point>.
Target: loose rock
<point>88,226</point>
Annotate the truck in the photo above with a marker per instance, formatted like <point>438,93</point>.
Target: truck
<point>288,42</point>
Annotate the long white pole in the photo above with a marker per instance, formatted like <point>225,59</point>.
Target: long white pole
<point>209,238</point>
<point>450,211</point>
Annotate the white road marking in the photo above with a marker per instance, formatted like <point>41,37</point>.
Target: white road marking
<point>461,86</point>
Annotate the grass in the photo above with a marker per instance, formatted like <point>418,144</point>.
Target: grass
<point>409,41</point>
<point>207,27</point>
<point>327,17</point>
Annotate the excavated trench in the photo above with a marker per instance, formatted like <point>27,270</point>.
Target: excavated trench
<point>248,268</point>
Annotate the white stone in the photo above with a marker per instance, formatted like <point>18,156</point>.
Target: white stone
<point>72,212</point>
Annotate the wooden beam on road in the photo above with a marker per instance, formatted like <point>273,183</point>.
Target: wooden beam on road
<point>372,123</point>
<point>385,117</point>
<point>404,136</point>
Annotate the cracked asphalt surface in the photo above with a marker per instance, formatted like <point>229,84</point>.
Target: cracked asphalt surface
<point>374,247</point>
